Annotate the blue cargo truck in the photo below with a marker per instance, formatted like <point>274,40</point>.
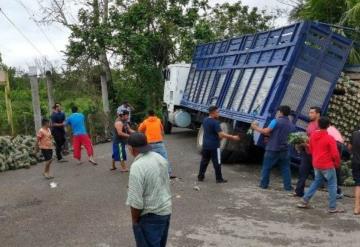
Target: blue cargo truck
<point>249,77</point>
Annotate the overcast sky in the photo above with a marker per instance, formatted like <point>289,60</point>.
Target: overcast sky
<point>17,52</point>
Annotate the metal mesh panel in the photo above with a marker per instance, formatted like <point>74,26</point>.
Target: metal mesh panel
<point>204,85</point>
<point>317,95</point>
<point>197,85</point>
<point>208,87</point>
<point>218,88</point>
<point>231,88</point>
<point>250,94</point>
<point>296,88</point>
<point>196,79</point>
<point>243,83</point>
<point>302,124</point>
<point>264,89</point>
<point>190,79</point>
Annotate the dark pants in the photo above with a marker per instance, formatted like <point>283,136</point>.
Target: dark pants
<point>271,159</point>
<point>214,156</point>
<point>152,230</point>
<point>60,140</point>
<point>305,170</point>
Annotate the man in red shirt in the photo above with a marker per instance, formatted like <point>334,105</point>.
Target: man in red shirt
<point>305,167</point>
<point>325,159</point>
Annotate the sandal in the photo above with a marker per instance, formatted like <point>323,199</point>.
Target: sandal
<point>93,162</point>
<point>336,210</point>
<point>356,213</point>
<point>47,176</point>
<point>113,169</point>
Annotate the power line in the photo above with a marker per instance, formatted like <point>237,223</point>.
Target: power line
<point>21,33</point>
<point>40,28</point>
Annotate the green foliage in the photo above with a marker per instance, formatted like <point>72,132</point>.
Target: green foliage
<point>340,12</point>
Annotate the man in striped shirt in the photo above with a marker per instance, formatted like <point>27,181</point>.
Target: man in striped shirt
<point>149,195</point>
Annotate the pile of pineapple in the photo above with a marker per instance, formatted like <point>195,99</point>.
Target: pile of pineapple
<point>344,109</point>
<point>17,152</point>
<point>344,113</point>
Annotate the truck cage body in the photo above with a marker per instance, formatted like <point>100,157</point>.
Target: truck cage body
<point>250,76</point>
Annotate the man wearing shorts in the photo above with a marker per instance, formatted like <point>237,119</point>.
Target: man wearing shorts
<point>354,146</point>
<point>122,132</point>
<point>45,143</point>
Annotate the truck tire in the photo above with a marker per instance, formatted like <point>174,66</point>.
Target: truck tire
<point>224,144</point>
<point>242,150</point>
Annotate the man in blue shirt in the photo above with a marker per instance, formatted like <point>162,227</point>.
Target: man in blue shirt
<point>211,145</point>
<point>80,137</point>
<point>277,148</point>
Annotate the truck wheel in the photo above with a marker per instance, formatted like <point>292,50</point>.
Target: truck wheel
<point>200,139</point>
<point>224,144</point>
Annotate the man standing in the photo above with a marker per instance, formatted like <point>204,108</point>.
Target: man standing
<point>122,132</point>
<point>211,145</point>
<point>154,131</point>
<point>58,130</point>
<point>306,161</point>
<point>125,107</point>
<point>354,146</point>
<point>277,148</point>
<point>80,137</point>
<point>325,158</point>
<point>149,195</point>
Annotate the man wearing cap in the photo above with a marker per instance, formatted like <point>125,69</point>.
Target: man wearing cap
<point>149,195</point>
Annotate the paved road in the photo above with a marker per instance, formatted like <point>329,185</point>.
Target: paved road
<point>88,207</point>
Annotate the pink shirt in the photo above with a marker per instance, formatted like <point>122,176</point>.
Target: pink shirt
<point>312,126</point>
<point>335,134</point>
<point>44,138</point>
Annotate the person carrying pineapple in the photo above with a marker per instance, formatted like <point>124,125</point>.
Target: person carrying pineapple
<point>122,132</point>
<point>45,143</point>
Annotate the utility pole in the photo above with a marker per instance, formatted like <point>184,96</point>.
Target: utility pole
<point>35,97</point>
<point>4,80</point>
<point>50,92</point>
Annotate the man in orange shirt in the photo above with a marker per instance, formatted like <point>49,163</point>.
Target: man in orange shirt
<point>154,131</point>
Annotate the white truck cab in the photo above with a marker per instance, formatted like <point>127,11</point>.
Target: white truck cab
<point>175,81</point>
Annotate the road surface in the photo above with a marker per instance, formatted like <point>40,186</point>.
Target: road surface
<point>87,208</point>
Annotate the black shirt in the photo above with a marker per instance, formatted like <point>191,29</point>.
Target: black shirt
<point>355,143</point>
<point>211,133</point>
<point>58,117</point>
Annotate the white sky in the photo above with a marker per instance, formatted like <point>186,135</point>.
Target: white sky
<point>17,52</point>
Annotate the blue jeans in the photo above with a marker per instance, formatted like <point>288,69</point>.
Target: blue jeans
<point>272,158</point>
<point>322,176</point>
<point>152,230</point>
<point>159,148</point>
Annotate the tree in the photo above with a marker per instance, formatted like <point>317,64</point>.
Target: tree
<point>88,41</point>
<point>338,12</point>
<point>150,34</point>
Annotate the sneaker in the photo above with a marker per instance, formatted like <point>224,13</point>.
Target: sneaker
<point>201,179</point>
<point>222,181</point>
<point>340,196</point>
<point>172,177</point>
<point>336,210</point>
<point>303,204</point>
